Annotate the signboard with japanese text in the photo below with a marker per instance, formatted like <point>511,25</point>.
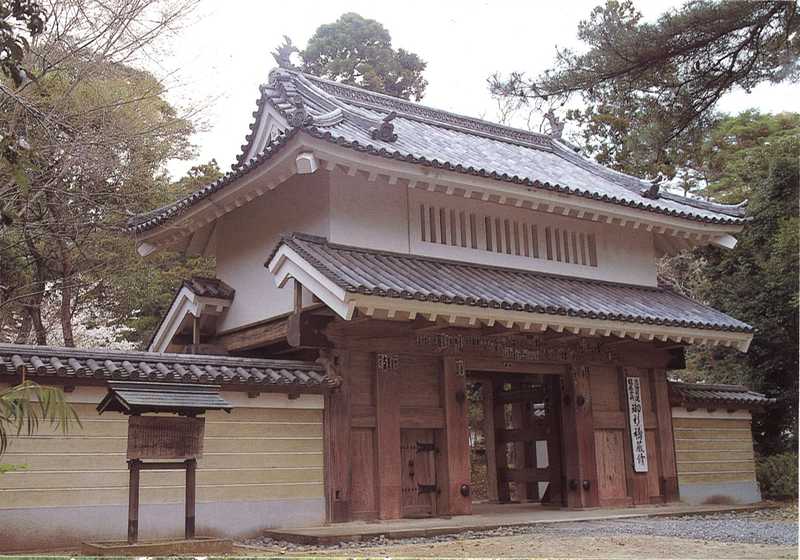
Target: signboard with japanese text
<point>636,416</point>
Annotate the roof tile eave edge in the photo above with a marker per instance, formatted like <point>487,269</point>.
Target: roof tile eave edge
<point>165,214</point>
<point>743,334</point>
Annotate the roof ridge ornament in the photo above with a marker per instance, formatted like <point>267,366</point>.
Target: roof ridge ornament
<point>385,130</point>
<point>653,191</point>
<point>556,124</point>
<point>283,54</point>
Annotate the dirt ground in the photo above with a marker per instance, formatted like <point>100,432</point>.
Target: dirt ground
<point>743,535</point>
<point>530,546</point>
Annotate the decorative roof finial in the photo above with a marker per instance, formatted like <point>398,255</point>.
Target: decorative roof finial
<point>385,131</point>
<point>283,54</point>
<point>556,125</point>
<point>654,189</point>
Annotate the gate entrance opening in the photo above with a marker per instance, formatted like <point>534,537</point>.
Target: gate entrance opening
<point>515,438</point>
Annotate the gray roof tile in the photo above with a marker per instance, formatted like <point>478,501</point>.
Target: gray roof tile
<point>682,394</point>
<point>350,117</point>
<point>76,364</point>
<point>406,276</point>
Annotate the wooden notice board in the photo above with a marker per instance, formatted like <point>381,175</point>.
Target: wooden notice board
<point>165,437</point>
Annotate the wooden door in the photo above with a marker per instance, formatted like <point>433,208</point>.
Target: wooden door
<point>419,489</point>
<point>528,440</point>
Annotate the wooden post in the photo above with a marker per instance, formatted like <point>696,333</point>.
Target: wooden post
<point>520,421</point>
<point>191,478</point>
<point>387,424</point>
<point>666,441</point>
<point>489,435</point>
<point>134,466</point>
<point>337,444</point>
<point>195,330</point>
<point>500,451</point>
<point>580,462</point>
<point>555,490</point>
<point>455,455</point>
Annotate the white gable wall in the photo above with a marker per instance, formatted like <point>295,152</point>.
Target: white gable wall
<point>247,236</point>
<point>353,210</point>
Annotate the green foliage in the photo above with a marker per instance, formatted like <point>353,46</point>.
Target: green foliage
<point>737,152</point>
<point>777,475</point>
<point>358,51</point>
<point>98,134</point>
<point>19,20</point>
<point>139,294</point>
<point>757,281</point>
<point>650,88</point>
<point>23,407</point>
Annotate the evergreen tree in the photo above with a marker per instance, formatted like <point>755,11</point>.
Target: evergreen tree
<point>359,52</point>
<point>649,90</point>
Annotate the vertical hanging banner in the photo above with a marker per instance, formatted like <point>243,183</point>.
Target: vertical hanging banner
<point>636,417</point>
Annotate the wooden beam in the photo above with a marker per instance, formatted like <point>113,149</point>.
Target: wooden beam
<point>307,330</point>
<point>525,475</point>
<point>387,390</point>
<point>255,336</point>
<point>455,454</point>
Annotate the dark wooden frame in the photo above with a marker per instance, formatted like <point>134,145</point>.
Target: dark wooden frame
<point>135,466</point>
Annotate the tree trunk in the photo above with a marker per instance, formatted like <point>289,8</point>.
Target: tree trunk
<point>35,312</point>
<point>66,313</point>
<point>24,328</point>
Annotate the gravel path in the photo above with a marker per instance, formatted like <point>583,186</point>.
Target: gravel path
<point>763,527</point>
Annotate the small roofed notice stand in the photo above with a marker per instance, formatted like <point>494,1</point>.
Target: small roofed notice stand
<point>161,442</point>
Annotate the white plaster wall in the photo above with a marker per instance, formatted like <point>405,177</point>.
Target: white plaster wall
<point>352,210</point>
<point>376,215</point>
<point>370,214</point>
<point>247,236</point>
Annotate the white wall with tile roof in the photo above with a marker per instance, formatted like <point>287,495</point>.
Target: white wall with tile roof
<point>246,237</point>
<point>369,212</point>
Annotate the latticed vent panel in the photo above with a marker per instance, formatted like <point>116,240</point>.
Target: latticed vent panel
<point>509,236</point>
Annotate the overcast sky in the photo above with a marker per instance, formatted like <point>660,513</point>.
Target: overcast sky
<point>222,54</point>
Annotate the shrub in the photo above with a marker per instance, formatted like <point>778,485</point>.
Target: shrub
<point>777,475</point>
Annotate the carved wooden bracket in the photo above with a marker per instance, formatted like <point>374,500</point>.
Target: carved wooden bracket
<point>387,362</point>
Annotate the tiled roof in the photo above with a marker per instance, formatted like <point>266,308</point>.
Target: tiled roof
<point>209,287</point>
<point>393,128</point>
<point>412,277</point>
<point>138,397</point>
<point>701,394</point>
<point>77,364</point>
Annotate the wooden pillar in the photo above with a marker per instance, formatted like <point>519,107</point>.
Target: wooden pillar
<point>501,454</point>
<point>637,482</point>
<point>518,421</point>
<point>387,389</point>
<point>580,462</point>
<point>454,460</point>
<point>134,467</point>
<point>490,436</point>
<point>555,442</point>
<point>191,485</point>
<point>338,478</point>
<point>665,437</point>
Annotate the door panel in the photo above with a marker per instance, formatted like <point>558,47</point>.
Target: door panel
<point>418,467</point>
